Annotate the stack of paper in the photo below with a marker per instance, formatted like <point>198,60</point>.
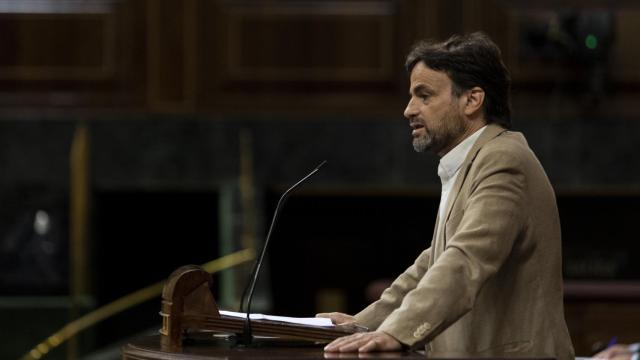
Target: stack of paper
<point>292,320</point>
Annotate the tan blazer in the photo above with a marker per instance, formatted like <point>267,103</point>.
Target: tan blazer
<point>491,282</point>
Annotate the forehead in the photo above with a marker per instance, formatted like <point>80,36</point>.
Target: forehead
<point>424,76</point>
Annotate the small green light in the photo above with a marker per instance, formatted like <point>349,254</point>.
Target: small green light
<point>591,41</point>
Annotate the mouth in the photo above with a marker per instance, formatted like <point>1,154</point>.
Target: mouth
<point>417,128</point>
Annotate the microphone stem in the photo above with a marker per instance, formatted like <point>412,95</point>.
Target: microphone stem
<point>247,333</point>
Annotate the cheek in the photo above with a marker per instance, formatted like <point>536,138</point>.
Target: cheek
<point>435,116</point>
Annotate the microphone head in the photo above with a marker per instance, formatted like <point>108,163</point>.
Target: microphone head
<point>321,164</point>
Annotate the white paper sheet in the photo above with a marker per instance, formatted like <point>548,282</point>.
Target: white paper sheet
<point>293,320</point>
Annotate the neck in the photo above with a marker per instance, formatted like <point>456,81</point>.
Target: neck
<point>470,130</point>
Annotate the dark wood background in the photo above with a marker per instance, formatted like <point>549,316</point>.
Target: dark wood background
<point>329,56</point>
<point>169,89</point>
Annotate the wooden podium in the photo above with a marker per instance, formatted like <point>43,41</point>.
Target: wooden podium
<point>193,328</point>
<point>149,348</point>
<point>188,308</point>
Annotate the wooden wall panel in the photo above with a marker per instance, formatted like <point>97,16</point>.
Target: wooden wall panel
<point>280,52</point>
<point>530,67</point>
<point>626,52</point>
<point>573,85</point>
<point>75,47</point>
<point>310,43</point>
<point>66,53</point>
<point>266,56</point>
<point>171,66</point>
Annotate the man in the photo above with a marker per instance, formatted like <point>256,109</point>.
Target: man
<point>491,282</point>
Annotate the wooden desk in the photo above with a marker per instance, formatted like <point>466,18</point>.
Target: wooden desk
<point>597,311</point>
<point>148,348</point>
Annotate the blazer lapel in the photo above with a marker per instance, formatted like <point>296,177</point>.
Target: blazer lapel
<point>489,133</point>
<point>434,241</point>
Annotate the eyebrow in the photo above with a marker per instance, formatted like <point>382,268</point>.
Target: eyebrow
<point>419,88</point>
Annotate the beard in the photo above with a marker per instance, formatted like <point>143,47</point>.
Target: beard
<point>422,143</point>
<point>440,135</point>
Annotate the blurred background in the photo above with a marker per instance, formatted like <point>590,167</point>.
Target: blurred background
<point>137,136</point>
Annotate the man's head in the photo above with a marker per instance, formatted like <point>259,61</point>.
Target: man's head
<point>470,69</point>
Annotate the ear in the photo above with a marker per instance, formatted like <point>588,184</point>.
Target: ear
<point>475,100</point>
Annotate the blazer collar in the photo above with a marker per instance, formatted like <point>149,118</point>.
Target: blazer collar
<point>492,131</point>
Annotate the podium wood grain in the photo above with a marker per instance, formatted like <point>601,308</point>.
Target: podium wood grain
<point>149,348</point>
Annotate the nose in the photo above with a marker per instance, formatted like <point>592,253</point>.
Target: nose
<point>411,110</point>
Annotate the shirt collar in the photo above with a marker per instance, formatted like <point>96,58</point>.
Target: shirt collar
<point>451,161</point>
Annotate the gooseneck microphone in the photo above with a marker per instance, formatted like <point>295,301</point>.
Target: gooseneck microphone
<point>247,336</point>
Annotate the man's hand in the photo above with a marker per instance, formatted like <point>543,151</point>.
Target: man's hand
<point>338,318</point>
<point>364,342</point>
<point>615,352</point>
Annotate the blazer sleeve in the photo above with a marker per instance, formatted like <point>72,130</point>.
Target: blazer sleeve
<point>493,216</point>
<point>373,315</point>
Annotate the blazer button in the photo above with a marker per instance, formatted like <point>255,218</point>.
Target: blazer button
<point>421,330</point>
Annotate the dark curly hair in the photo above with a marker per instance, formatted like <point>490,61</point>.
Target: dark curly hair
<point>470,60</point>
